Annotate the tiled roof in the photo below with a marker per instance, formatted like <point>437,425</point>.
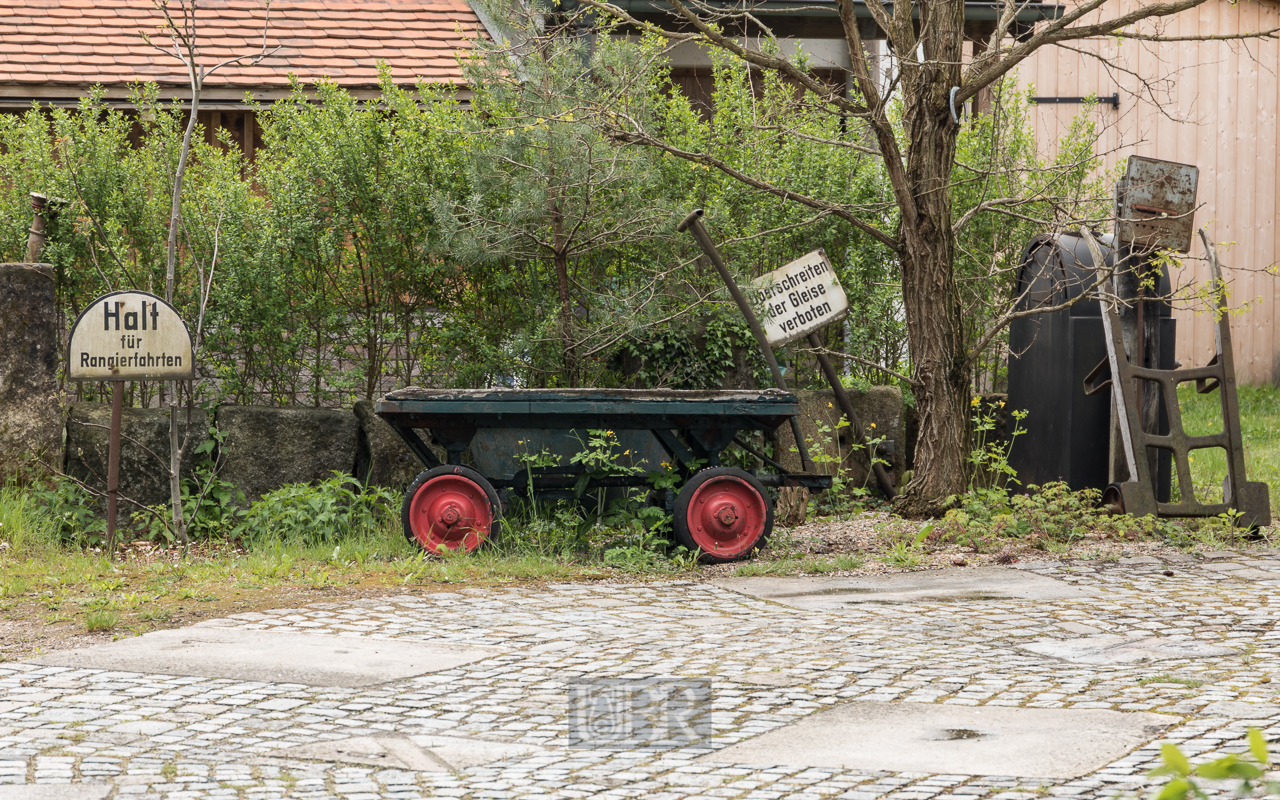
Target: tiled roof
<point>81,42</point>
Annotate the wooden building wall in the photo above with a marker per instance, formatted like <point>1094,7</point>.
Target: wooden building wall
<point>1211,104</point>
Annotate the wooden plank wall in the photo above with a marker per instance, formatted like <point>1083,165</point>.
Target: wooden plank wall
<point>1212,104</point>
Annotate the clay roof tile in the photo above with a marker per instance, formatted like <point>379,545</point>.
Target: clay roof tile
<point>100,41</point>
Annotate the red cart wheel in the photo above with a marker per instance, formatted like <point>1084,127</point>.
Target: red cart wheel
<point>725,513</point>
<point>450,508</point>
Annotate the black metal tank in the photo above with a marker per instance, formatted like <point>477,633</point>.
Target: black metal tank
<point>1067,433</point>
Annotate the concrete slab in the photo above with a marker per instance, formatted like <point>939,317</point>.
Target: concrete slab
<point>954,740</point>
<point>56,791</point>
<point>421,753</point>
<point>933,586</point>
<point>281,657</point>
<point>1116,649</point>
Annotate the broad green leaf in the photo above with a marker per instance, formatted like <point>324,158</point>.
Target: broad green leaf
<point>1174,758</point>
<point>1258,746</point>
<point>1176,789</point>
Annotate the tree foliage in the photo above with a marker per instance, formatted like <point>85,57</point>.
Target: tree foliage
<point>414,240</point>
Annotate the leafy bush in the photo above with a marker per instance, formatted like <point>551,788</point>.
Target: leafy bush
<point>74,516</point>
<point>326,513</point>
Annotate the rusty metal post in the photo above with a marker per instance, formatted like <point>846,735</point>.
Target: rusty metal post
<point>113,464</point>
<point>846,405</point>
<point>693,224</point>
<point>36,234</point>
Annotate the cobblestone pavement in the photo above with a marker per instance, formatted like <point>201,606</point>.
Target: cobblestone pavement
<point>157,736</point>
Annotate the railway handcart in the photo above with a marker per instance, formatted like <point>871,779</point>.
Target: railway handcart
<point>722,511</point>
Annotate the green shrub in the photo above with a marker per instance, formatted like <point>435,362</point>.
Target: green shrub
<point>325,513</point>
<point>63,512</point>
<point>1052,514</point>
<point>1052,511</point>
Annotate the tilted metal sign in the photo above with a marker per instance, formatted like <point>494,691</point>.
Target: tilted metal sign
<point>799,298</point>
<point>130,336</point>
<point>1156,204</point>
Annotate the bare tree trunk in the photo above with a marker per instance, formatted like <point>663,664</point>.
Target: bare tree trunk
<point>930,293</point>
<point>170,278</point>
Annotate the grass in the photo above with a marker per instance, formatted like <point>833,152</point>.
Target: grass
<point>903,554</point>
<point>1260,431</point>
<point>840,563</point>
<point>96,621</point>
<point>73,589</point>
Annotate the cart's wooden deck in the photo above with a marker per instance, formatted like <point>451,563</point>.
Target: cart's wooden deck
<point>501,405</point>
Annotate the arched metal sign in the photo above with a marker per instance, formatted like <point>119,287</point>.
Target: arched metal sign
<point>130,336</point>
<point>127,336</point>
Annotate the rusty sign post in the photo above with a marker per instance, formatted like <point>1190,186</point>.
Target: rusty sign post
<point>127,336</point>
<point>798,299</point>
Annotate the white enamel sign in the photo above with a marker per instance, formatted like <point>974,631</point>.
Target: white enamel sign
<point>799,298</point>
<point>129,336</point>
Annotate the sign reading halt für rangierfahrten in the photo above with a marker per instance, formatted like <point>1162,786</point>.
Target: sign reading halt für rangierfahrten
<point>130,336</point>
<point>799,298</point>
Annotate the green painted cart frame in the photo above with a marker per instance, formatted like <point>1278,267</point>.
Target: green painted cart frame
<point>724,512</point>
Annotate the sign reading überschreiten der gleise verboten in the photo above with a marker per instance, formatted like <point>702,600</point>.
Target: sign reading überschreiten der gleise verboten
<point>800,298</point>
<point>130,336</point>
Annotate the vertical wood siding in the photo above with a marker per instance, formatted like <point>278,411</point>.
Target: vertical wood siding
<point>1212,104</point>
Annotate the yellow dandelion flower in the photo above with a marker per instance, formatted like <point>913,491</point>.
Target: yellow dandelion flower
<point>873,424</point>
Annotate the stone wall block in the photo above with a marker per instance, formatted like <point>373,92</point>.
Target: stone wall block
<point>881,405</point>
<point>264,448</point>
<point>144,441</point>
<point>30,406</point>
<point>382,457</point>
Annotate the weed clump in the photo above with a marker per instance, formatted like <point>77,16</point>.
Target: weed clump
<point>100,620</point>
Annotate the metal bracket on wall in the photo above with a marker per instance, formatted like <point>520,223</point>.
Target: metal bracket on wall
<point>1112,100</point>
<point>1136,495</point>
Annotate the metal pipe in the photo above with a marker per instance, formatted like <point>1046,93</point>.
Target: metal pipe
<point>113,463</point>
<point>693,224</point>
<point>846,405</point>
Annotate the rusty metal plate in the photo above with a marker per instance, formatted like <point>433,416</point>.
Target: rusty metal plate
<point>1156,203</point>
